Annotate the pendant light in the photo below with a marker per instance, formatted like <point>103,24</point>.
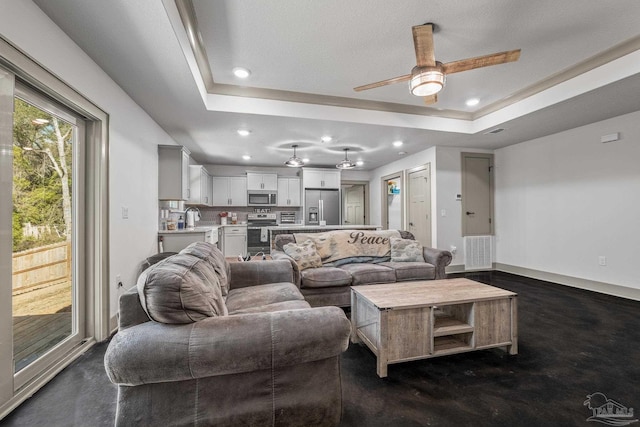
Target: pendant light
<point>294,161</point>
<point>346,163</point>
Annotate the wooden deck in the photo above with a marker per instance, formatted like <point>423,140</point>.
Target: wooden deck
<point>35,335</point>
<point>41,319</point>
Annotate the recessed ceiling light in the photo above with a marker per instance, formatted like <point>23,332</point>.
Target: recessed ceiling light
<point>241,73</point>
<point>472,102</point>
<point>243,132</point>
<point>397,143</point>
<point>359,163</point>
<point>326,138</point>
<point>401,153</point>
<point>246,157</point>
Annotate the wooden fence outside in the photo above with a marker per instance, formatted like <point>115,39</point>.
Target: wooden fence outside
<point>41,267</point>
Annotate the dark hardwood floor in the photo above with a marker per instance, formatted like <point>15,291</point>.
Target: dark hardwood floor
<point>572,343</point>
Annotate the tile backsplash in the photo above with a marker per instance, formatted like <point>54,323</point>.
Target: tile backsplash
<point>212,215</point>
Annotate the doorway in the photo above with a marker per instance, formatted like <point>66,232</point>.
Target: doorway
<point>419,203</point>
<point>477,194</point>
<point>53,219</point>
<point>392,201</point>
<point>355,203</point>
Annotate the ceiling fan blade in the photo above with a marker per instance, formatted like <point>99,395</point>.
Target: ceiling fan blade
<point>383,83</point>
<point>423,43</point>
<point>481,61</point>
<point>431,99</point>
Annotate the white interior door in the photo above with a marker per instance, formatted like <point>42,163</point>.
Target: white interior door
<point>419,183</point>
<point>353,203</point>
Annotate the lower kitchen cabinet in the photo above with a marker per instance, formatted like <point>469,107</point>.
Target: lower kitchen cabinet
<point>234,240</point>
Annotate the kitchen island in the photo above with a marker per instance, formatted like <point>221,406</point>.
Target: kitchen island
<point>298,228</point>
<point>176,240</point>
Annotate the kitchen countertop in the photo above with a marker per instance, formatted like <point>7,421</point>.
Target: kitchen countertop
<point>323,227</point>
<point>200,229</point>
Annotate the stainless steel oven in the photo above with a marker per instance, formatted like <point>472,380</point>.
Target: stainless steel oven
<point>258,233</point>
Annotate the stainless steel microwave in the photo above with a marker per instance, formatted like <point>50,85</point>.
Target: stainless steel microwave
<point>262,198</point>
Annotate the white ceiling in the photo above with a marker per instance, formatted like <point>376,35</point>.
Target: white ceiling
<point>580,63</point>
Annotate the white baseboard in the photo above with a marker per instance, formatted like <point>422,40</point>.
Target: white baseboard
<point>458,268</point>
<point>113,325</point>
<point>575,282</point>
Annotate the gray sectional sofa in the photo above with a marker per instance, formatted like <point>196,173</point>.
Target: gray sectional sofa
<point>329,283</point>
<point>205,342</point>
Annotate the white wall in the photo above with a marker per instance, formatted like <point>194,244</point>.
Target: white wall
<point>133,136</point>
<point>564,200</point>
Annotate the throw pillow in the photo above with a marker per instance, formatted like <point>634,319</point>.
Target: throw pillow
<point>181,289</point>
<point>406,250</point>
<point>304,254</point>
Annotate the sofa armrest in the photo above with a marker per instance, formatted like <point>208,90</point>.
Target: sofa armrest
<point>279,255</point>
<point>154,352</point>
<point>439,259</point>
<point>252,273</point>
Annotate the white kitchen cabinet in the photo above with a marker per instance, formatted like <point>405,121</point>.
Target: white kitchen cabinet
<point>289,192</point>
<point>321,178</point>
<point>262,181</point>
<point>229,190</point>
<point>175,241</point>
<point>173,172</point>
<point>234,240</point>
<point>200,186</point>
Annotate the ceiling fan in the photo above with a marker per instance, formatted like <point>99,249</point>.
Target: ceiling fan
<point>428,76</point>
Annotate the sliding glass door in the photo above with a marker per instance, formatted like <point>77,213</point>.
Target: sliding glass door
<point>42,183</point>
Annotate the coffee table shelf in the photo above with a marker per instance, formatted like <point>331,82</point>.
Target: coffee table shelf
<point>448,325</point>
<point>407,321</point>
<point>451,344</point>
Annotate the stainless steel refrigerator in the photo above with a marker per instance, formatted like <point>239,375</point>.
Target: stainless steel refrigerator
<point>322,205</point>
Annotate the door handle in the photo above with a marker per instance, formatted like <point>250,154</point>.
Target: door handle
<point>470,213</point>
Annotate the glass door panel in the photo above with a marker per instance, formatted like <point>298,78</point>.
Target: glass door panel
<point>44,293</point>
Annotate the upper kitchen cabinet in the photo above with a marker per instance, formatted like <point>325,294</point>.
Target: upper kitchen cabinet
<point>200,186</point>
<point>289,192</point>
<point>229,190</point>
<point>321,178</point>
<point>173,172</point>
<point>262,181</point>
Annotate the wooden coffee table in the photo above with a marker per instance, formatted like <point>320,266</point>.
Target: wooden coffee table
<point>406,321</point>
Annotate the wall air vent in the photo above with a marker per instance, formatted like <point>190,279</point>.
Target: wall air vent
<point>478,252</point>
<point>494,131</point>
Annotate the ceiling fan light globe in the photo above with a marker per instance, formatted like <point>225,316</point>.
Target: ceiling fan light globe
<point>426,81</point>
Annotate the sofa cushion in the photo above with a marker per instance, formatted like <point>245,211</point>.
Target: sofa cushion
<point>181,289</point>
<point>260,295</point>
<point>405,250</point>
<point>304,254</point>
<point>276,306</point>
<point>215,257</point>
<point>412,270</point>
<point>364,274</point>
<point>324,277</point>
